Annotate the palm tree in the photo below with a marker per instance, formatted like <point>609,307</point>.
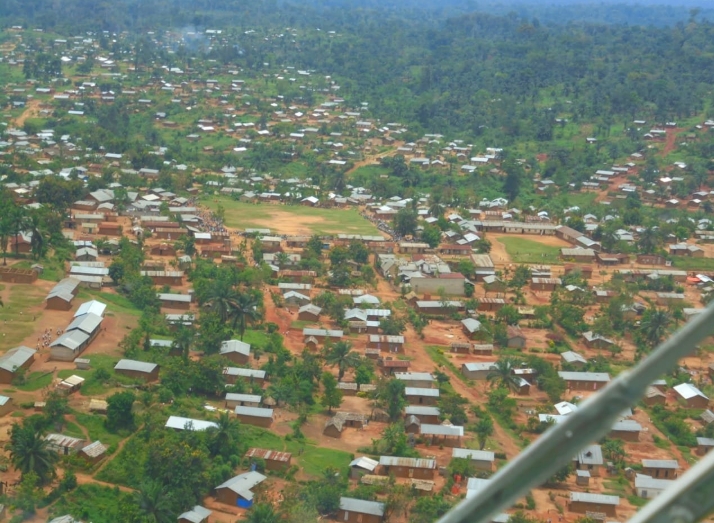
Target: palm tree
<point>29,452</point>
<point>223,300</point>
<point>654,325</point>
<point>18,223</point>
<point>224,437</point>
<point>262,513</point>
<point>501,374</point>
<point>183,341</point>
<point>38,238</point>
<point>649,240</point>
<point>154,501</point>
<point>436,209</point>
<point>245,312</point>
<point>342,355</point>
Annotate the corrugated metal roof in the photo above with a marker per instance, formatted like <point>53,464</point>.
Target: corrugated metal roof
<point>242,483</point>
<point>95,449</point>
<point>478,455</point>
<point>235,346</point>
<point>196,515</point>
<point>365,463</point>
<point>86,323</point>
<point>180,423</point>
<point>272,455</point>
<point>647,482</point>
<point>599,499</point>
<point>91,307</point>
<point>660,464</point>
<point>419,463</point>
<point>256,412</point>
<point>584,376</point>
<point>251,398</point>
<point>373,508</point>
<point>71,340</point>
<point>15,358</point>
<point>419,391</point>
<point>134,365</point>
<point>421,410</point>
<point>246,373</point>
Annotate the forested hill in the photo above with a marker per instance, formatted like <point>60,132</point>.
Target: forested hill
<point>134,15</point>
<point>500,77</point>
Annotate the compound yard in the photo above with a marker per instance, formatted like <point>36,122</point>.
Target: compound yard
<point>292,219</point>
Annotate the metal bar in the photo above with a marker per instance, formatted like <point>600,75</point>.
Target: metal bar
<point>687,500</point>
<point>592,421</point>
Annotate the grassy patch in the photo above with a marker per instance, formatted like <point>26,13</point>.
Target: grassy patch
<point>686,263</point>
<point>438,356</point>
<point>36,381</point>
<point>95,427</point>
<point>72,429</point>
<point>255,338</point>
<point>94,503</point>
<point>17,322</point>
<point>301,324</point>
<point>91,387</point>
<point>522,250</point>
<point>243,215</point>
<point>115,303</point>
<point>311,458</point>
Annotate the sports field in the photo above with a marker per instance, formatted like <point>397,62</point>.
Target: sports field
<point>292,219</point>
<point>522,250</point>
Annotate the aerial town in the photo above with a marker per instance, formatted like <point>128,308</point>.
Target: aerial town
<point>228,296</point>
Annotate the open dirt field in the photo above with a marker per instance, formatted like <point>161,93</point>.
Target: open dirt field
<point>293,220</point>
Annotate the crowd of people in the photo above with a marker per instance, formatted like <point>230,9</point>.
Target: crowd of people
<point>46,338</point>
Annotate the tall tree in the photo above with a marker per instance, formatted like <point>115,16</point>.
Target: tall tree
<point>29,452</point>
<point>342,356</point>
<point>223,300</point>
<point>262,513</point>
<point>154,502</point>
<point>246,312</point>
<point>654,326</point>
<point>331,395</point>
<point>501,375</point>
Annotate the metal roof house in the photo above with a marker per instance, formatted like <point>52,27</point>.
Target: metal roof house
<point>235,350</point>
<point>648,487</point>
<point>197,514</point>
<point>360,511</point>
<point>237,490</point>
<point>180,423</point>
<point>585,380</point>
<point>14,360</point>
<point>418,468</point>
<point>691,396</point>
<point>481,459</point>
<point>91,307</point>
<point>255,416</point>
<point>69,345</point>
<point>138,369</point>
<point>583,502</point>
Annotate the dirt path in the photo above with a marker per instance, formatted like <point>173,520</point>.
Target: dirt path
<point>86,479</point>
<point>670,143</point>
<point>32,110</point>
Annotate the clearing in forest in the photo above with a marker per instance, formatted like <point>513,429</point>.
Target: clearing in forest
<point>292,219</point>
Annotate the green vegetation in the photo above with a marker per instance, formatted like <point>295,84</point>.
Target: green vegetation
<point>685,263</point>
<point>317,221</point>
<point>522,250</point>
<point>15,316</point>
<point>35,381</point>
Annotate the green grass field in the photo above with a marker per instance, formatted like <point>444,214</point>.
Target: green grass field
<point>17,323</point>
<point>684,263</point>
<point>522,250</point>
<point>307,220</point>
<point>313,459</point>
